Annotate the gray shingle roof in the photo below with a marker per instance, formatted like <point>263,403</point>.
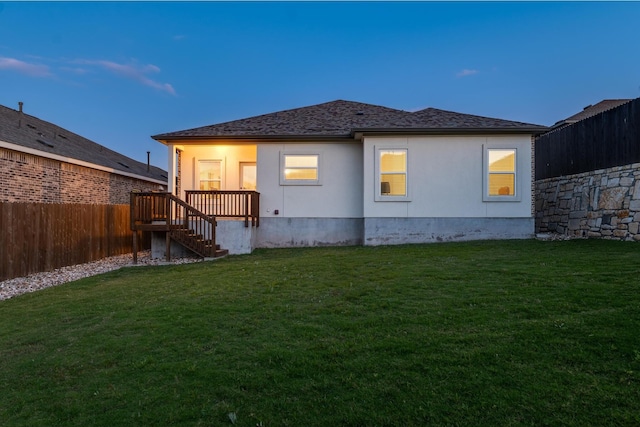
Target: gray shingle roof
<point>438,119</point>
<point>31,132</point>
<point>341,119</point>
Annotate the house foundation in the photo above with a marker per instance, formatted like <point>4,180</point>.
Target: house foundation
<point>397,231</point>
<point>301,232</point>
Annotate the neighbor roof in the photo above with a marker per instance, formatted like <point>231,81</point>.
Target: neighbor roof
<point>592,110</point>
<point>342,119</point>
<point>31,132</point>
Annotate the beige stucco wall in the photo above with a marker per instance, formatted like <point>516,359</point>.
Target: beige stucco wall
<point>230,156</point>
<point>339,194</point>
<point>445,177</point>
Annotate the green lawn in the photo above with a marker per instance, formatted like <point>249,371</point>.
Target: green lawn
<point>483,333</point>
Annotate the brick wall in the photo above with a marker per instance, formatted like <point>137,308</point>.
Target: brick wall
<point>599,204</point>
<point>29,178</point>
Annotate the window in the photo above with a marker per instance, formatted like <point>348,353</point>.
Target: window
<point>210,174</point>
<point>500,174</point>
<point>248,174</point>
<point>392,174</point>
<point>300,169</point>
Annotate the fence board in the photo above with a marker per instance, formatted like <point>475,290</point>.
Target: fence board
<point>609,139</point>
<point>36,237</point>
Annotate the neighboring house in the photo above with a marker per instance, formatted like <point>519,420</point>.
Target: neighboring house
<point>348,173</point>
<point>588,173</point>
<point>44,163</point>
<point>590,111</point>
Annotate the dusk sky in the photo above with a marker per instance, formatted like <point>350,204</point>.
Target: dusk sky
<point>117,73</point>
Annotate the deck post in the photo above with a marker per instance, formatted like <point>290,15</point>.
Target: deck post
<point>168,247</point>
<point>169,221</point>
<point>246,210</point>
<point>135,246</point>
<point>134,230</point>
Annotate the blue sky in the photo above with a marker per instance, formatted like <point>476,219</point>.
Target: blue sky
<point>118,72</point>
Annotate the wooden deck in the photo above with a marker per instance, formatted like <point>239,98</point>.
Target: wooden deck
<point>194,227</point>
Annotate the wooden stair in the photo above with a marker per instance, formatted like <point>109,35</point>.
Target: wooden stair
<point>196,243</point>
<point>184,224</point>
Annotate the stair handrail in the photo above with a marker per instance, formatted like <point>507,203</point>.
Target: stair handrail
<point>154,210</point>
<point>190,213</point>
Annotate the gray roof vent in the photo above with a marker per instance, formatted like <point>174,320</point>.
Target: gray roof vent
<point>43,142</point>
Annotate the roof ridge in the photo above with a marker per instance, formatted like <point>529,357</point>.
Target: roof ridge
<point>340,118</point>
<point>64,142</point>
<point>592,110</point>
<point>275,114</point>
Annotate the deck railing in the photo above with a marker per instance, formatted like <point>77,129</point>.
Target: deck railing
<point>147,207</point>
<point>227,204</point>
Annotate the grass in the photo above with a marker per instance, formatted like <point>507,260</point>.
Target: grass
<point>480,333</point>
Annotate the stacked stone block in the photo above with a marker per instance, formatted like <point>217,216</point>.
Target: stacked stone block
<point>600,204</point>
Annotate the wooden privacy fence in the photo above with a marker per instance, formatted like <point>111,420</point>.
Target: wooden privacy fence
<point>36,237</point>
<point>606,140</point>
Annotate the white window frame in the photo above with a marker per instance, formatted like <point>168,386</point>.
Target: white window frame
<point>283,177</point>
<point>378,196</point>
<point>517,196</point>
<point>201,162</point>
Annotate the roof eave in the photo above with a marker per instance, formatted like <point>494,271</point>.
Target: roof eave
<point>167,139</point>
<point>356,134</point>
<point>535,130</point>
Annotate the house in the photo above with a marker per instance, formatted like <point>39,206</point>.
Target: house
<point>41,162</point>
<point>350,173</point>
<point>64,199</point>
<point>588,173</point>
<point>590,111</point>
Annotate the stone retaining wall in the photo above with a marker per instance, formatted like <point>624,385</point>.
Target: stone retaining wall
<point>600,204</point>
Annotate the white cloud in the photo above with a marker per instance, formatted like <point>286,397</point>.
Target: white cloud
<point>466,72</point>
<point>132,72</point>
<point>75,70</point>
<point>151,68</point>
<point>30,69</point>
